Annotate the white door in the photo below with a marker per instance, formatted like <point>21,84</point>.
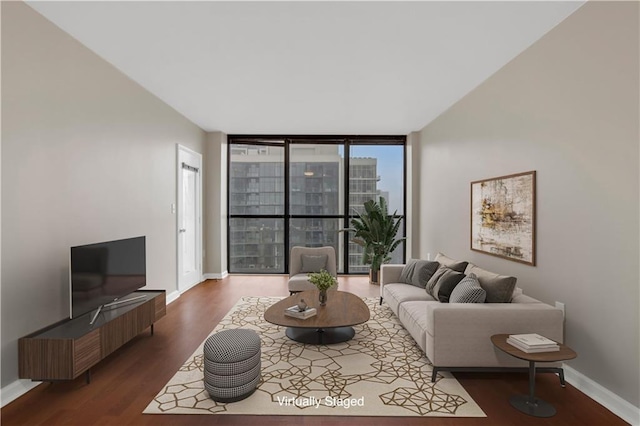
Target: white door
<point>189,223</point>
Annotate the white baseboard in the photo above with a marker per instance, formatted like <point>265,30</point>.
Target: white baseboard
<point>172,296</point>
<point>14,390</point>
<point>618,406</point>
<point>215,276</point>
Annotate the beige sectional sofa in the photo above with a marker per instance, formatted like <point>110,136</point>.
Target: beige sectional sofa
<point>456,336</point>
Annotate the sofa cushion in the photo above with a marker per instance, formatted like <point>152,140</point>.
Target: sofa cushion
<point>456,265</point>
<point>313,262</point>
<point>499,288</point>
<point>418,272</point>
<point>395,294</point>
<point>516,292</point>
<point>446,284</point>
<point>468,291</point>
<point>413,316</point>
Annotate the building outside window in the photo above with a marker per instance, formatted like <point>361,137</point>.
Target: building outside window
<point>264,218</point>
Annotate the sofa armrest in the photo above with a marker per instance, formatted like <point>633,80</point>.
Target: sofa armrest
<point>459,333</point>
<point>389,274</point>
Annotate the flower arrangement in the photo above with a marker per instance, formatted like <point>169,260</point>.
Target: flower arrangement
<point>323,280</point>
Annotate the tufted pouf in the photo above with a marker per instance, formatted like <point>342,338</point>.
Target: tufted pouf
<point>232,364</point>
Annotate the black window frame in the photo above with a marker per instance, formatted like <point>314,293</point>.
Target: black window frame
<point>286,141</point>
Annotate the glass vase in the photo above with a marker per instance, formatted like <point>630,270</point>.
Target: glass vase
<point>323,297</point>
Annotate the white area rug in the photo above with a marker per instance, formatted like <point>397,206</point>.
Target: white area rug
<point>380,372</point>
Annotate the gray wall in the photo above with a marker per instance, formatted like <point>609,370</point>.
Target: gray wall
<point>88,155</point>
<point>568,108</point>
<point>413,203</point>
<point>215,227</point>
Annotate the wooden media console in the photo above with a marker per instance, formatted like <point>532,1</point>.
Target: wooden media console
<point>66,349</point>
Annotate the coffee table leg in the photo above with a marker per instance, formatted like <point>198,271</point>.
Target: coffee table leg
<point>529,404</point>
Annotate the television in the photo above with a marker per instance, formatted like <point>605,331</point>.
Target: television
<point>103,273</point>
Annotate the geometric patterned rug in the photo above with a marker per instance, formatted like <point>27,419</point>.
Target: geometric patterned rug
<point>380,372</point>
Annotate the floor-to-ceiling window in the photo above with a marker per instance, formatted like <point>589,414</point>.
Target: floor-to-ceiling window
<point>287,191</point>
<point>256,208</point>
<point>376,171</point>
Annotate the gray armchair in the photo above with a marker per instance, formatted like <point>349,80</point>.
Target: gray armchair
<point>309,259</point>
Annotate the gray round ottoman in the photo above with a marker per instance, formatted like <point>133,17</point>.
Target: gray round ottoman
<point>232,364</point>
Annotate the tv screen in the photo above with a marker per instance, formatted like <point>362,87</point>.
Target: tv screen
<point>104,272</point>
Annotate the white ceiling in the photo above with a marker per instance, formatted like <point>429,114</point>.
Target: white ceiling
<point>308,67</point>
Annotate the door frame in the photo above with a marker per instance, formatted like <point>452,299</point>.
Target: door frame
<point>181,152</point>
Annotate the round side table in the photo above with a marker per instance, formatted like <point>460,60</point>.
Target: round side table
<point>529,404</point>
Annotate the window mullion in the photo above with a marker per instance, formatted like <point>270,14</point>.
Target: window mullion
<point>287,218</point>
<point>347,206</point>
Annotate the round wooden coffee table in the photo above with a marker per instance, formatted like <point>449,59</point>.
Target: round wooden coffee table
<point>333,322</point>
<point>529,404</point>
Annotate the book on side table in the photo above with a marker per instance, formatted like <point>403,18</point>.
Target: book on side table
<point>295,312</point>
<point>532,343</point>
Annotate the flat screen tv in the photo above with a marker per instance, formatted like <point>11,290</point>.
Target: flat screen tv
<point>102,273</point>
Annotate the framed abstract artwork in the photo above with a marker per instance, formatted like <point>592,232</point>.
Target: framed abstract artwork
<point>503,217</point>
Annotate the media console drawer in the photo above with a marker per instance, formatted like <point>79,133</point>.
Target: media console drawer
<point>65,350</point>
<point>125,327</point>
<point>86,352</point>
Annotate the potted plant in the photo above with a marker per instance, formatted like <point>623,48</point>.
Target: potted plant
<point>376,230</point>
<point>323,280</point>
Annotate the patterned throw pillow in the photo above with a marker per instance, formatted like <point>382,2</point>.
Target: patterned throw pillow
<point>468,291</point>
<point>417,272</point>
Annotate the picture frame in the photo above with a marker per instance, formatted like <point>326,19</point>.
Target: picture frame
<point>503,217</point>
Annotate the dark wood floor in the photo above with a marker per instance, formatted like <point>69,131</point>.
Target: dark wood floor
<point>124,383</point>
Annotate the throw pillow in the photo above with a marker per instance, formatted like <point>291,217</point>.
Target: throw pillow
<point>446,284</point>
<point>468,291</point>
<point>458,266</point>
<point>313,262</point>
<point>450,263</point>
<point>499,288</point>
<point>418,272</point>
<point>449,279</point>
<point>434,280</point>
